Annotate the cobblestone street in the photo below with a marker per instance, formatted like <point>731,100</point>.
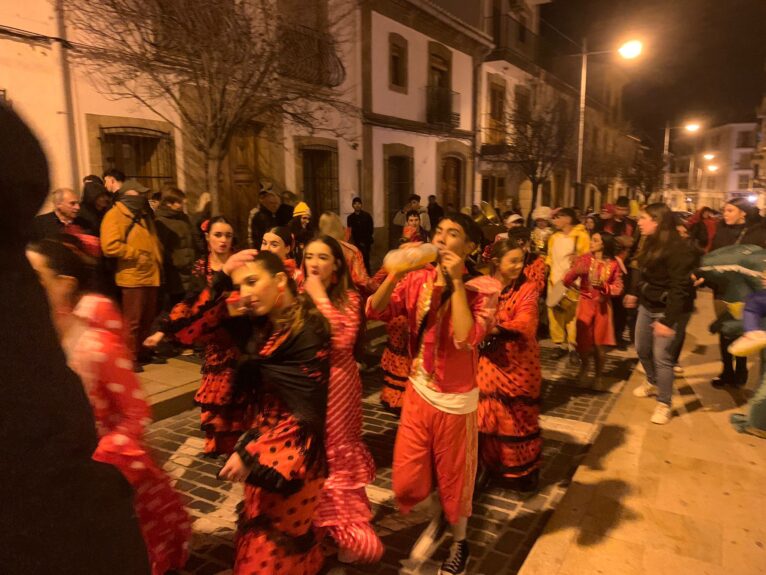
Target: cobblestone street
<point>504,525</point>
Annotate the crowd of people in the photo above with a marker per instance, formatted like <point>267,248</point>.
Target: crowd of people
<point>280,326</point>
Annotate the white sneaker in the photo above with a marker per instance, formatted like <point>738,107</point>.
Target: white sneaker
<point>646,389</point>
<point>678,371</point>
<point>662,414</point>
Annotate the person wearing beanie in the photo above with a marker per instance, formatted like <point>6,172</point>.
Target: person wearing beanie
<point>62,512</point>
<point>542,230</point>
<point>302,228</point>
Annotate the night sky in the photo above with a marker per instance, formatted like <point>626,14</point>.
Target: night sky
<point>702,58</point>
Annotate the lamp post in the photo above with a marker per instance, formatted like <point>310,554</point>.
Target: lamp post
<point>690,127</point>
<point>629,51</point>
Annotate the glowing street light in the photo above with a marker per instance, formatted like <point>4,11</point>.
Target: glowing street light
<point>692,127</point>
<point>709,157</point>
<point>630,50</point>
<point>712,168</point>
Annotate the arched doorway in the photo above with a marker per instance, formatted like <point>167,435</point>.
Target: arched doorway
<point>452,183</point>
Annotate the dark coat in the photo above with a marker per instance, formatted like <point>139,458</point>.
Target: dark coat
<point>665,283</point>
<point>362,229</point>
<point>49,226</point>
<point>88,210</point>
<point>284,214</point>
<point>754,234</point>
<point>179,252</point>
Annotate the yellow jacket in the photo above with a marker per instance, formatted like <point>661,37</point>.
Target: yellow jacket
<point>139,255</point>
<point>582,246</point>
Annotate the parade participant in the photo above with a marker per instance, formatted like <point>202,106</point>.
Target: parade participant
<point>509,374</point>
<point>600,280</point>
<point>90,326</point>
<point>222,416</point>
<point>330,225</point>
<point>62,512</point>
<point>344,510</point>
<point>542,231</point>
<point>281,459</point>
<point>449,313</point>
<point>280,241</point>
<point>570,241</point>
<point>663,291</point>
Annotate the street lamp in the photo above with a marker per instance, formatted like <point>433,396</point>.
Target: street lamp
<point>629,50</point>
<point>709,157</point>
<point>691,127</point>
<point>712,168</point>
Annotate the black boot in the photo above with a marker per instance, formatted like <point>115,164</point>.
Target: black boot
<point>740,372</point>
<point>727,375</point>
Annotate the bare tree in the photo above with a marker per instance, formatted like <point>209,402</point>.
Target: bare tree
<point>538,134</point>
<point>212,67</point>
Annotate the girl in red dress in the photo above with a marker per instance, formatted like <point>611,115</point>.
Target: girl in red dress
<point>600,278</point>
<point>281,458</point>
<point>509,372</point>
<point>90,329</point>
<point>223,411</point>
<point>344,510</point>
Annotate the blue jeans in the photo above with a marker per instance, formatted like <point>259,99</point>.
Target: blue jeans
<point>658,355</point>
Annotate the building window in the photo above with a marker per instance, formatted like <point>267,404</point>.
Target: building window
<point>523,98</point>
<point>745,139</point>
<point>440,109</point>
<point>397,65</point>
<point>141,153</point>
<point>522,29</point>
<point>497,102</point>
<point>743,182</point>
<point>745,161</point>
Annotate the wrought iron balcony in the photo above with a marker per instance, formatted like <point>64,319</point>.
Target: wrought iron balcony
<point>442,107</point>
<point>308,55</point>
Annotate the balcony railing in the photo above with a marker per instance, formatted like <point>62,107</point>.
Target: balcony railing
<point>442,107</point>
<point>494,136</point>
<point>308,55</point>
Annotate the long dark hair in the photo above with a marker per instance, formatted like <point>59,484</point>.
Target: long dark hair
<point>610,245</point>
<point>662,241</point>
<point>502,247</point>
<point>339,288</point>
<point>286,235</point>
<point>206,227</point>
<point>295,318</point>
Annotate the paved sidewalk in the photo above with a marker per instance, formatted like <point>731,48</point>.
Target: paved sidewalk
<point>505,524</point>
<point>685,498</point>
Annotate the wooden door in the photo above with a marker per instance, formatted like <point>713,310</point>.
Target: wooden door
<point>452,183</point>
<point>240,184</point>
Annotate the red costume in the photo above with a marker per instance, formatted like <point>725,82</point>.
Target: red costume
<point>344,508</point>
<point>223,411</point>
<point>600,280</point>
<point>509,382</point>
<point>98,355</point>
<point>437,433</point>
<point>359,276</point>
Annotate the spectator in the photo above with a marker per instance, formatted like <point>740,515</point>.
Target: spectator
<point>128,234</point>
<point>176,236</point>
<point>264,218</point>
<point>542,231</point>
<point>285,210</point>
<point>702,226</point>
<point>66,207</point>
<point>302,228</point>
<point>96,200</point>
<point>113,181</point>
<point>413,231</point>
<point>413,203</point>
<point>435,211</point>
<point>362,229</point>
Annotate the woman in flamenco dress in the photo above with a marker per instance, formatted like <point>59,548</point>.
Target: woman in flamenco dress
<point>90,329</point>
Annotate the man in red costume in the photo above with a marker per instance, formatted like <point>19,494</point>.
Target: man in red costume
<point>449,313</point>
